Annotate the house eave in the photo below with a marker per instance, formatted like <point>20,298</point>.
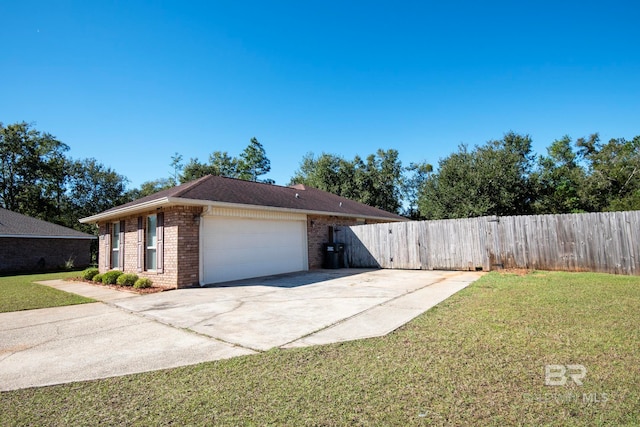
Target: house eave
<point>128,210</point>
<point>172,201</point>
<point>35,236</point>
<point>214,204</point>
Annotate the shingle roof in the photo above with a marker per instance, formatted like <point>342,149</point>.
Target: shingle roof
<point>239,192</point>
<point>13,224</point>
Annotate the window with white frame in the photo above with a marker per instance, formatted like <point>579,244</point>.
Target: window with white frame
<point>115,245</point>
<point>151,242</point>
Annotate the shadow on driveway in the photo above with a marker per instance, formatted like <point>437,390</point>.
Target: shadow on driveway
<point>292,280</point>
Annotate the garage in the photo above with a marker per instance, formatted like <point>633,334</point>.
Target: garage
<point>238,244</point>
<point>218,229</point>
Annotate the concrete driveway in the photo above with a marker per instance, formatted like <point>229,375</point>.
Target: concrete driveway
<point>128,333</point>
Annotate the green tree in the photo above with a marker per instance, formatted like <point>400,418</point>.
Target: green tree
<point>254,162</point>
<point>381,180</point>
<point>454,190</point>
<point>613,181</point>
<point>220,164</point>
<point>223,164</point>
<point>560,180</point>
<point>326,172</point>
<point>150,187</point>
<point>37,179</point>
<point>176,166</point>
<point>32,172</point>
<point>416,175</point>
<point>94,188</point>
<point>194,169</point>
<point>492,179</point>
<point>376,182</point>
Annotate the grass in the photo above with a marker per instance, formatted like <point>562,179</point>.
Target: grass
<point>476,359</point>
<point>21,293</point>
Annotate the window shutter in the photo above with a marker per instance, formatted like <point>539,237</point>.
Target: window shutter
<point>107,246</point>
<point>121,250</point>
<point>160,243</point>
<point>140,244</point>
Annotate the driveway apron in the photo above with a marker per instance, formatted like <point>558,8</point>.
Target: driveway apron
<point>130,333</point>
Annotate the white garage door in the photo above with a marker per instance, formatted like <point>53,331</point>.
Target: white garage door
<point>240,248</point>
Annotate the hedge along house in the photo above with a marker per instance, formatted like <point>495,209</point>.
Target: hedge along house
<point>30,244</point>
<point>218,229</point>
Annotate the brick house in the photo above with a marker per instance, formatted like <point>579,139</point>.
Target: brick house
<point>218,229</point>
<point>30,244</point>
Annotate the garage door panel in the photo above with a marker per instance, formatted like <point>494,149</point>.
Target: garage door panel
<point>235,248</point>
<point>259,256</point>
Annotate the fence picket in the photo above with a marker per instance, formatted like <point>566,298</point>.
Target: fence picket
<point>603,242</point>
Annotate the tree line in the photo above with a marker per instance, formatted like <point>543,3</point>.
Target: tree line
<point>250,165</point>
<point>38,179</point>
<point>500,177</point>
<point>505,177</point>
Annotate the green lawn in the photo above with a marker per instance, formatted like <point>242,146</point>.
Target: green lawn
<point>477,359</point>
<point>20,293</point>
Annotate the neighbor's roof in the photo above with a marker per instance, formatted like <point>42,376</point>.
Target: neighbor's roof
<point>13,224</point>
<point>219,191</point>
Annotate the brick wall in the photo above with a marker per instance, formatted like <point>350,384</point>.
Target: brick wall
<point>318,233</point>
<point>184,243</point>
<point>26,254</point>
<point>181,247</point>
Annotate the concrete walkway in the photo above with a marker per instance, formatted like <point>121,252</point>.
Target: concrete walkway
<point>128,333</point>
<point>390,315</point>
<point>96,292</point>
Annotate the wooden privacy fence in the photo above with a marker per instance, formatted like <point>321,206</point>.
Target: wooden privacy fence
<point>603,242</point>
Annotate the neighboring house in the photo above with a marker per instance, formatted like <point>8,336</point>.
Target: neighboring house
<point>29,244</point>
<point>218,229</point>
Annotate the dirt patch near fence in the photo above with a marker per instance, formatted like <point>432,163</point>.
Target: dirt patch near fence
<point>517,271</point>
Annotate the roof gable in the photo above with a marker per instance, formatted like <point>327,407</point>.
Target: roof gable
<point>13,224</point>
<point>216,189</point>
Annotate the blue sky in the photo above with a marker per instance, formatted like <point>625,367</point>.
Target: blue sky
<point>132,82</point>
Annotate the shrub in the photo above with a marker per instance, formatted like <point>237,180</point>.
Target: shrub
<point>97,278</point>
<point>111,277</point>
<point>127,279</point>
<point>89,273</point>
<point>142,283</point>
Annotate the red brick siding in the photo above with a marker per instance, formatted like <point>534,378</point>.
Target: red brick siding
<point>188,246</point>
<point>181,247</point>
<point>26,254</point>
<point>102,264</point>
<point>318,233</point>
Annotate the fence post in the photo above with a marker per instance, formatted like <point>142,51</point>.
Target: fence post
<point>493,253</point>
